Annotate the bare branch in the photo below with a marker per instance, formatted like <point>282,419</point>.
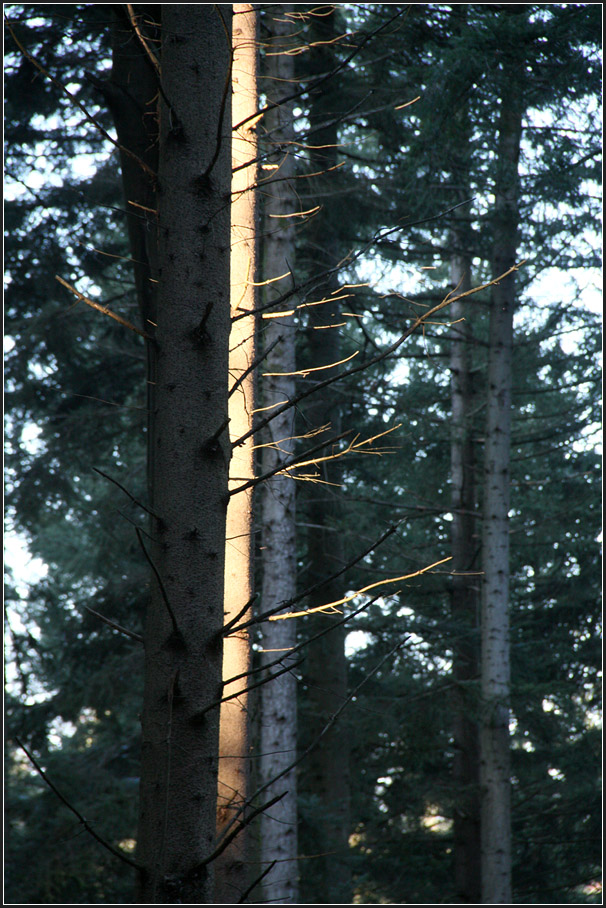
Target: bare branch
<point>83,821</point>
<point>169,608</point>
<point>371,362</point>
<point>126,492</point>
<point>80,106</point>
<point>104,309</point>
<point>316,586</point>
<point>116,627</point>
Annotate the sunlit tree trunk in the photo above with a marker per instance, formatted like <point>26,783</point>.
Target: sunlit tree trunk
<point>494,734</point>
<point>278,724</point>
<point>183,651</point>
<point>232,867</point>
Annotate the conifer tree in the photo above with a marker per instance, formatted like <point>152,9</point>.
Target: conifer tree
<point>278,699</point>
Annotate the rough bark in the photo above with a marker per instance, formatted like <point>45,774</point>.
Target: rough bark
<point>494,733</point>
<point>183,651</point>
<point>278,724</point>
<point>232,867</point>
<point>328,768</point>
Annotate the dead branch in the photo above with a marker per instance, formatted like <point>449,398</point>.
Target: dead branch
<point>104,309</point>
<point>70,806</point>
<point>116,627</point>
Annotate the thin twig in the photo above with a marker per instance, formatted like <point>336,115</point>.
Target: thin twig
<point>245,690</point>
<point>287,464</point>
<point>253,366</point>
<point>316,741</point>
<point>116,627</point>
<point>420,321</point>
<point>243,823</point>
<point>256,882</point>
<point>126,492</point>
<point>83,820</point>
<point>80,106</point>
<point>160,584</point>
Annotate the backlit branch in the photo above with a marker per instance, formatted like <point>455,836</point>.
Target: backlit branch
<point>331,607</point>
<point>418,322</point>
<point>104,309</point>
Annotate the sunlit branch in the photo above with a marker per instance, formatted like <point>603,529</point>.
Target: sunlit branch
<point>419,321</point>
<point>100,308</point>
<point>306,372</point>
<point>286,465</point>
<point>331,607</point>
<point>316,83</point>
<point>316,586</point>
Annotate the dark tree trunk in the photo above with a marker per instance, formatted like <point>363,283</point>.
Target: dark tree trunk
<point>328,769</point>
<point>190,458</point>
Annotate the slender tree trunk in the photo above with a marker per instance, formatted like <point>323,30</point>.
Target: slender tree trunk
<point>232,867</point>
<point>494,734</point>
<point>278,731</point>
<point>328,768</point>
<point>465,591</point>
<point>183,651</point>
<point>465,598</point>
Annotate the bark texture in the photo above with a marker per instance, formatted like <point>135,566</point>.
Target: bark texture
<point>191,452</point>
<point>232,867</point>
<point>494,735</point>
<point>278,729</point>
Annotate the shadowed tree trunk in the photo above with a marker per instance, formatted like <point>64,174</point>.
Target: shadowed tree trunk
<point>278,732</point>
<point>190,457</point>
<point>232,867</point>
<point>465,598</point>
<point>328,769</point>
<point>494,733</point>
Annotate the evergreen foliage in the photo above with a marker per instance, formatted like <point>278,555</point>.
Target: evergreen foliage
<point>76,685</point>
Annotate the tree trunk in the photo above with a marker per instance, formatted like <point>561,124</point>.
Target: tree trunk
<point>278,731</point>
<point>465,599</point>
<point>465,590</point>
<point>326,665</point>
<point>494,734</point>
<point>232,867</point>
<point>191,452</point>
<point>131,95</point>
